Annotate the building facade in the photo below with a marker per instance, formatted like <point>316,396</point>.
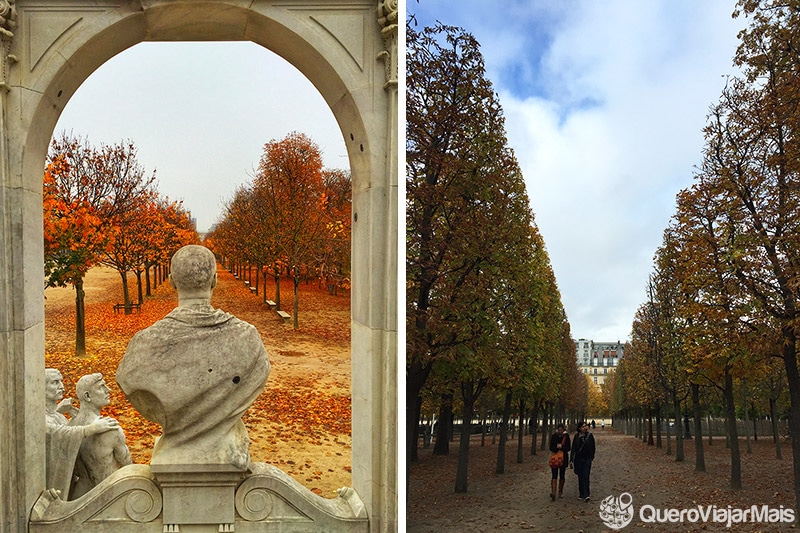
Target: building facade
<point>598,359</point>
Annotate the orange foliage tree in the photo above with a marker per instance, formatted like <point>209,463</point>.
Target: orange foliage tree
<point>85,190</point>
<point>293,218</point>
<point>147,234</point>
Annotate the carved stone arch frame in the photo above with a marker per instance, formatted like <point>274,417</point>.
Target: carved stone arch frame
<point>347,48</point>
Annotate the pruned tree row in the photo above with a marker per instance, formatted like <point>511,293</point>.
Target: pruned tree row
<point>101,207</point>
<point>485,326</point>
<point>292,219</point>
<point>718,331</point>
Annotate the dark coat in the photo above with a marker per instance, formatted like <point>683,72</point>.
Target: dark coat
<point>583,450</point>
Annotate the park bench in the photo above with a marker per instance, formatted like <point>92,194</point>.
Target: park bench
<point>253,289</point>
<point>271,304</point>
<point>284,315</point>
<point>132,305</point>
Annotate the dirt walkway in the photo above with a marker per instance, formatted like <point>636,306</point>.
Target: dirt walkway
<point>519,499</point>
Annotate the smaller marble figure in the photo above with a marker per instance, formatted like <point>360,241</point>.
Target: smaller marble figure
<point>63,441</point>
<point>101,454</point>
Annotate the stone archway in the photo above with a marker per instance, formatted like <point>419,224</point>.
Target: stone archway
<point>347,48</point>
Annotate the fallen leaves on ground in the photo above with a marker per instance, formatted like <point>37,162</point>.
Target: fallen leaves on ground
<point>300,423</point>
<point>519,498</point>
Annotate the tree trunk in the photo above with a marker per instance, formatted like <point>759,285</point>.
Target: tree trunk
<point>416,375</point>
<point>533,429</point>
<point>649,426</point>
<point>676,404</point>
<point>521,426</point>
<point>730,415</point>
<point>659,420</point>
<point>296,306</point>
<point>468,395</point>
<point>139,293</point>
<point>126,297</point>
<point>80,319</point>
<point>699,457</point>
<point>776,438</point>
<point>147,288</point>
<point>749,447</point>
<point>278,292</point>
<point>501,450</point>
<point>793,378</point>
<point>442,445</point>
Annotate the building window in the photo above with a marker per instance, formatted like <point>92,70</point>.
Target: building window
<point>595,381</point>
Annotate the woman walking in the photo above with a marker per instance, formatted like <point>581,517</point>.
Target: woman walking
<point>582,457</point>
<point>559,444</point>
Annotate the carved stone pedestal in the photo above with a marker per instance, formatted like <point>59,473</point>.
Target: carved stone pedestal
<point>198,494</point>
<point>199,499</point>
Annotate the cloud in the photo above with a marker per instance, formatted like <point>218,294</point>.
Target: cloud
<point>604,111</point>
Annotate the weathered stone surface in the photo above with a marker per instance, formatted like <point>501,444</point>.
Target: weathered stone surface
<point>196,371</point>
<point>46,57</point>
<point>63,441</point>
<point>267,500</point>
<point>102,454</point>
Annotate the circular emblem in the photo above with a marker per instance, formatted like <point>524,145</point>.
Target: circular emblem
<point>617,512</point>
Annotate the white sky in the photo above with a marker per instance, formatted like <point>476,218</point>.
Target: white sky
<point>605,104</point>
<point>200,114</point>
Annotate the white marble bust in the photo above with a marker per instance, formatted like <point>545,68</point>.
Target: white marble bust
<point>196,371</point>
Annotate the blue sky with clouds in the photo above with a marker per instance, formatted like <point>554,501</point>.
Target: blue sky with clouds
<point>200,114</point>
<point>605,104</point>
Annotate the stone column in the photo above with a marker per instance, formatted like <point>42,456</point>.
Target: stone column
<point>374,395</point>
<point>22,467</point>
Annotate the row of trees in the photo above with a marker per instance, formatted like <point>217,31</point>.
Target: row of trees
<point>723,304</point>
<point>101,207</point>
<point>292,219</point>
<point>484,313</point>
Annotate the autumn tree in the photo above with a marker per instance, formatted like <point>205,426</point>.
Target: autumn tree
<point>666,300</point>
<point>101,184</point>
<point>741,217</point>
<point>174,229</point>
<point>454,143</point>
<point>764,192</point>
<point>333,256</point>
<point>290,180</point>
<point>149,233</point>
<point>293,217</point>
<point>474,310</point>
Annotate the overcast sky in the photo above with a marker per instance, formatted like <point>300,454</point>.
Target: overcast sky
<point>604,103</point>
<point>200,114</point>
